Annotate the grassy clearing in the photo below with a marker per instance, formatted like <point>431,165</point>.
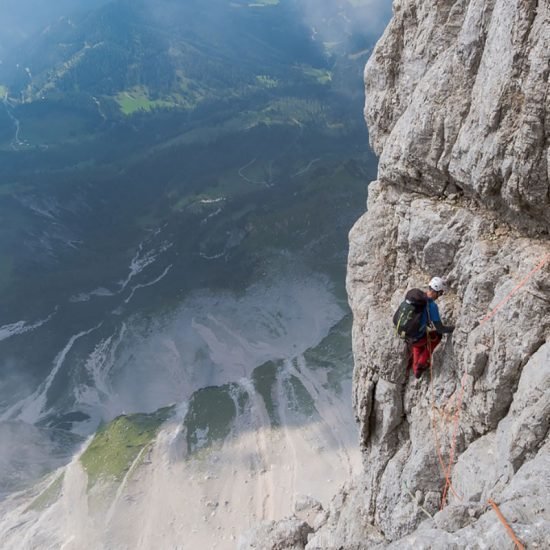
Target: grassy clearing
<point>117,444</point>
<point>204,203</point>
<point>138,99</point>
<point>333,354</point>
<point>300,400</point>
<point>291,110</point>
<point>264,379</point>
<point>205,135</point>
<point>322,76</point>
<point>226,185</point>
<point>47,497</point>
<point>210,417</point>
<point>281,110</point>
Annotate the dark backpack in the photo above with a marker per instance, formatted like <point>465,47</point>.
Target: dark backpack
<point>407,319</point>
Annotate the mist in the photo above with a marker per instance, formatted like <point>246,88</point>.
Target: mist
<point>330,20</point>
<point>20,19</point>
<point>339,22</point>
<point>28,452</point>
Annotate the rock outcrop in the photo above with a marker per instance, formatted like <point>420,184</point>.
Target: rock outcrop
<point>457,101</point>
<point>287,534</point>
<point>458,110</point>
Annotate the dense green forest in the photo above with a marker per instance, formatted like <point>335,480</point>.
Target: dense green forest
<point>120,127</point>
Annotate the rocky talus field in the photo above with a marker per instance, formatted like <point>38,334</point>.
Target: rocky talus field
<point>457,107</point>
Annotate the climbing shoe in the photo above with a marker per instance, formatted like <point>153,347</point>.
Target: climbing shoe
<point>418,372</point>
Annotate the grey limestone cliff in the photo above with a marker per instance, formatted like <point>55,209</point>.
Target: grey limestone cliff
<point>458,111</point>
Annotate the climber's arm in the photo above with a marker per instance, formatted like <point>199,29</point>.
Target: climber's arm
<point>441,328</point>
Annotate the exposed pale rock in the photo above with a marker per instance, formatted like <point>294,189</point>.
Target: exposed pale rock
<point>474,473</point>
<point>457,99</point>
<point>453,518</point>
<point>503,362</point>
<point>311,511</point>
<point>350,527</point>
<point>287,534</point>
<point>524,504</point>
<point>458,110</point>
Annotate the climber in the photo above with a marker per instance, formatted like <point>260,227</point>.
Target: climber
<point>430,333</point>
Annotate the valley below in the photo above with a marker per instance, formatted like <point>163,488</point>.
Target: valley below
<point>175,338</point>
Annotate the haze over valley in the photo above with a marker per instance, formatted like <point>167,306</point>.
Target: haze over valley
<point>177,184</point>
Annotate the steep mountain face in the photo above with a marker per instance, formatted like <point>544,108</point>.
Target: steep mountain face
<point>457,101</point>
<point>457,108</point>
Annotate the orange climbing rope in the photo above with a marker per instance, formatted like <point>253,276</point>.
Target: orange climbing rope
<point>447,470</point>
<point>444,467</point>
<point>502,519</point>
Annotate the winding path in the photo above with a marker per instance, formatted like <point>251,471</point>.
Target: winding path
<point>305,169</point>
<point>16,142</point>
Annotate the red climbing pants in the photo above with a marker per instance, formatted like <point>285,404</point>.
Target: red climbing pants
<point>422,351</point>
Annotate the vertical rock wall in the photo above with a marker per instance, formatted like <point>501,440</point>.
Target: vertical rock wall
<point>458,111</point>
<point>457,101</point>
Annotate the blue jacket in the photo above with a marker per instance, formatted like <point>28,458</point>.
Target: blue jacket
<point>425,320</point>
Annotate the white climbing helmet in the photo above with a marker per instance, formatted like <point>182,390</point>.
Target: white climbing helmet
<point>438,284</point>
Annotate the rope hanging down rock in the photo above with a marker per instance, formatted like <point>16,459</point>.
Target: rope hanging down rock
<point>447,469</point>
<point>502,519</point>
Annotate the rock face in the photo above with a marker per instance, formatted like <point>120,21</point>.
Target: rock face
<point>457,100</point>
<point>287,534</point>
<point>458,110</point>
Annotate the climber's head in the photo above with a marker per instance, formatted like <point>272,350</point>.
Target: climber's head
<point>436,288</point>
